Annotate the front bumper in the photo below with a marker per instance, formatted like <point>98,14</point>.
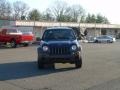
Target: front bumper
<point>71,58</point>
<point>28,42</point>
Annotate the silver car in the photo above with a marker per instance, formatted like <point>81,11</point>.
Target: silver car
<point>104,38</point>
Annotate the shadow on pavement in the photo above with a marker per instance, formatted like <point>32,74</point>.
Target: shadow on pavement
<point>3,47</point>
<point>18,70</point>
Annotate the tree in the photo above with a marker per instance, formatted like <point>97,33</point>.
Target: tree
<point>64,13</point>
<point>20,9</point>
<point>82,19</point>
<point>106,21</point>
<point>34,15</point>
<point>96,19</point>
<point>90,18</point>
<point>77,13</point>
<point>101,19</point>
<point>23,18</point>
<point>59,10</point>
<point>93,18</point>
<point>47,16</point>
<point>5,9</point>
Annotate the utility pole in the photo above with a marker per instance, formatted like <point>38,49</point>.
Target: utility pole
<point>95,24</point>
<point>79,23</point>
<point>34,28</point>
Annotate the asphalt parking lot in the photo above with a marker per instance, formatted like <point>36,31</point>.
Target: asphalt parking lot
<point>100,71</point>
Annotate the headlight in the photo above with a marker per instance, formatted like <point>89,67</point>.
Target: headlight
<point>114,39</point>
<point>95,38</point>
<point>45,48</point>
<point>74,47</point>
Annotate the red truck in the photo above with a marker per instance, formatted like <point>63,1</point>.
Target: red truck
<point>15,37</point>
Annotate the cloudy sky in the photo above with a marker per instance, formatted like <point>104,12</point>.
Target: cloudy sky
<point>108,8</point>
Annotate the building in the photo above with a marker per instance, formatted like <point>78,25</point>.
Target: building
<point>92,29</point>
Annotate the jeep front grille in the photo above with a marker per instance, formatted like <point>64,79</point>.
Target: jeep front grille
<point>59,50</point>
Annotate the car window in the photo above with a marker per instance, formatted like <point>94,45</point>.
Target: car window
<point>27,33</point>
<point>58,34</point>
<point>99,37</point>
<point>11,31</point>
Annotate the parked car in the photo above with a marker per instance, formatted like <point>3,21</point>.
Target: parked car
<point>15,37</point>
<point>104,38</point>
<point>59,45</point>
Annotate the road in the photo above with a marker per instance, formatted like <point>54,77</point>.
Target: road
<point>100,71</point>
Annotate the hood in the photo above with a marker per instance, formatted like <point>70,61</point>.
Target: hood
<point>57,42</point>
<point>68,42</point>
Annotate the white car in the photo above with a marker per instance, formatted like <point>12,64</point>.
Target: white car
<point>104,38</point>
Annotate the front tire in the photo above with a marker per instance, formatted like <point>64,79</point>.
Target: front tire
<point>78,63</point>
<point>13,44</point>
<point>40,63</point>
<point>108,41</point>
<point>26,44</point>
<point>96,41</point>
<point>50,65</point>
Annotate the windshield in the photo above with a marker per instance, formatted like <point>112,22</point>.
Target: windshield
<point>11,31</point>
<point>27,33</point>
<point>104,37</point>
<point>58,34</point>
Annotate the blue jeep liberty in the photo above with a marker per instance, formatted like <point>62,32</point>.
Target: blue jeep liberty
<point>59,45</point>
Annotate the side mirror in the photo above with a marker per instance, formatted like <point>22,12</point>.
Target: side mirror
<point>38,39</point>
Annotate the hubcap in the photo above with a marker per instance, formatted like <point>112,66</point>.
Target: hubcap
<point>12,43</point>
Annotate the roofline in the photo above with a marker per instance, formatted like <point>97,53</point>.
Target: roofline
<point>61,22</point>
<point>65,24</point>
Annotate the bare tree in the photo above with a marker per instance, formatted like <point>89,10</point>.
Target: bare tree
<point>62,12</point>
<point>47,15</point>
<point>20,9</point>
<point>77,13</point>
<point>58,10</point>
<point>5,9</point>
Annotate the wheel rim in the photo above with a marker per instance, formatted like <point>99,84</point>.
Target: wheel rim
<point>12,44</point>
